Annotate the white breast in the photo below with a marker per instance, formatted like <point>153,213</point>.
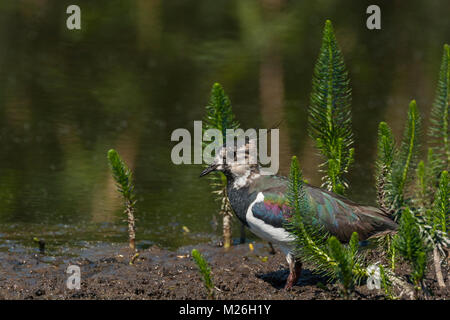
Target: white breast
<point>266,231</point>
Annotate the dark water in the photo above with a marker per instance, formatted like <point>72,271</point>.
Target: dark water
<point>140,69</point>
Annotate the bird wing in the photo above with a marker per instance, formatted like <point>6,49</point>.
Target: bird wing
<point>341,217</point>
<point>336,214</point>
<point>273,210</point>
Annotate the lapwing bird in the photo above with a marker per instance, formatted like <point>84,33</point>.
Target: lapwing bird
<point>260,203</point>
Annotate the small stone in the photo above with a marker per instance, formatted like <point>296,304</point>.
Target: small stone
<point>39,292</point>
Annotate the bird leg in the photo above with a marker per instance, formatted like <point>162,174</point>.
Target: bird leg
<point>272,249</point>
<point>295,269</point>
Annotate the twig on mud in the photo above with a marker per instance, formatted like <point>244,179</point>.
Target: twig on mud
<point>437,267</point>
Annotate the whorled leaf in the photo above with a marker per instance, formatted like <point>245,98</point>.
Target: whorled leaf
<point>330,113</point>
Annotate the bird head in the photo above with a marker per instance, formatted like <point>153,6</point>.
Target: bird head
<point>235,160</point>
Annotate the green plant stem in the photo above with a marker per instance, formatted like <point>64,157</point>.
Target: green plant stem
<point>205,271</point>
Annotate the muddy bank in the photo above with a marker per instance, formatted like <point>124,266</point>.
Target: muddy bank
<point>161,274</point>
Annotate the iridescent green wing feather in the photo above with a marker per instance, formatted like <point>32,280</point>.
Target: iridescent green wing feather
<point>273,210</point>
<point>336,214</point>
<point>341,217</point>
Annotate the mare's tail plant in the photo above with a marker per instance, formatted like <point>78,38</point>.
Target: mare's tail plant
<point>438,219</point>
<point>406,161</point>
<point>314,244</point>
<point>395,167</point>
<point>219,115</point>
<point>432,176</point>
<point>326,254</point>
<point>439,128</point>
<point>438,158</point>
<point>424,225</point>
<point>310,243</point>
<point>440,214</point>
<point>410,244</point>
<point>426,175</point>
<point>385,157</point>
<point>346,258</point>
<point>330,114</point>
<point>205,271</point>
<point>124,180</point>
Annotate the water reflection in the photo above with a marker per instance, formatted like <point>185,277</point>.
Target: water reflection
<point>140,69</point>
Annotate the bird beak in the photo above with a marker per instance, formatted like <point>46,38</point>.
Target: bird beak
<point>208,170</point>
